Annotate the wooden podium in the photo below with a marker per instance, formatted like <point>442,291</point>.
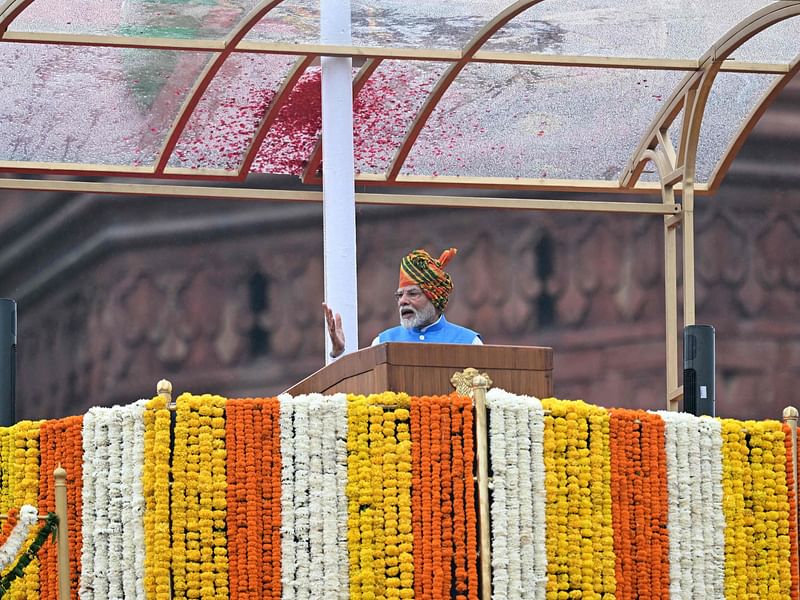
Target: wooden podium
<point>425,369</point>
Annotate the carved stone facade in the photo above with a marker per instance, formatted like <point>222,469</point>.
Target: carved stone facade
<point>224,297</point>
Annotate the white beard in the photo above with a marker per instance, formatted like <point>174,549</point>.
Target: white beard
<point>422,317</point>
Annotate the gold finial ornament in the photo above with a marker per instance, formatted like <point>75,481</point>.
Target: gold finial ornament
<point>463,381</point>
<point>164,387</point>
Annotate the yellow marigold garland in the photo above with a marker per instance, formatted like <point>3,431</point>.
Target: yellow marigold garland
<point>23,479</point>
<point>6,462</point>
<point>580,540</point>
<point>756,507</point>
<point>405,537</point>
<point>155,486</point>
<point>380,539</point>
<point>199,503</point>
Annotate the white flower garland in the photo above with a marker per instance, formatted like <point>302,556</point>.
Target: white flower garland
<point>513,497</point>
<point>538,581</point>
<point>516,441</point>
<point>86,585</point>
<point>495,403</point>
<point>114,422</point>
<point>694,483</point>
<point>302,525</point>
<point>95,519</point>
<point>714,516</point>
<point>288,545</point>
<point>132,509</point>
<point>316,491</point>
<point>28,515</point>
<point>333,495</point>
<point>313,497</point>
<point>340,431</point>
<point>112,557</point>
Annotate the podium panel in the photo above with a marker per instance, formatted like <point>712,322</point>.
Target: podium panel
<point>425,369</point>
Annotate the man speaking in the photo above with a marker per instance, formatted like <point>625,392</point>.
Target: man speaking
<point>422,294</point>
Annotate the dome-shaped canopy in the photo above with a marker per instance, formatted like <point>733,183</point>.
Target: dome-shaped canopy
<point>547,94</point>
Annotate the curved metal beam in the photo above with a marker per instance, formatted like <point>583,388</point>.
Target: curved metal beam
<point>736,37</point>
<point>315,158</point>
<point>447,78</point>
<point>207,76</point>
<point>736,144</point>
<point>691,94</point>
<point>271,114</point>
<point>11,11</point>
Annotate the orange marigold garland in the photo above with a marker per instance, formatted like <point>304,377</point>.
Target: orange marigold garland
<point>790,491</point>
<point>273,528</point>
<point>639,509</point>
<point>443,509</point>
<point>417,505</point>
<point>465,534</point>
<point>253,497</point>
<point>469,498</point>
<point>243,437</point>
<point>61,443</point>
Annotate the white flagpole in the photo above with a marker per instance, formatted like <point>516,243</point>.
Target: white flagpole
<point>338,182</point>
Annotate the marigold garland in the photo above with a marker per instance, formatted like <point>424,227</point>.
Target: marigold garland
<point>580,539</point>
<point>24,523</point>
<point>792,500</point>
<point>254,497</point>
<point>156,490</point>
<point>10,521</point>
<point>758,555</point>
<point>640,508</point>
<point>381,538</point>
<point>443,511</point>
<point>24,489</point>
<point>198,503</point>
<point>6,466</point>
<point>28,556</point>
<point>61,443</point>
<point>243,438</point>
<point>386,484</point>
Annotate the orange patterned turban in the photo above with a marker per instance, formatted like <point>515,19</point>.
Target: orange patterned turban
<point>420,268</point>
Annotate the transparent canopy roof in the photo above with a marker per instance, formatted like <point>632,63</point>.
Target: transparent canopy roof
<point>532,94</point>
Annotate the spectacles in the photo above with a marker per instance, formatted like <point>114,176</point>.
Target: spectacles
<point>410,294</point>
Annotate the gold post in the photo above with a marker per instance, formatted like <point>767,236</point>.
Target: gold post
<point>790,417</point>
<point>480,383</point>
<point>164,389</point>
<point>60,476</point>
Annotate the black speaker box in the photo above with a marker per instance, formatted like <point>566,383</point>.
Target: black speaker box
<point>8,360</point>
<point>699,360</point>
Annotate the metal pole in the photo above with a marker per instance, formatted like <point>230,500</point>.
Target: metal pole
<point>8,360</point>
<point>60,476</point>
<point>480,384</point>
<point>338,173</point>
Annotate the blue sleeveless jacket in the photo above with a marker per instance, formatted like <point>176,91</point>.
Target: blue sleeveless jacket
<point>441,332</point>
